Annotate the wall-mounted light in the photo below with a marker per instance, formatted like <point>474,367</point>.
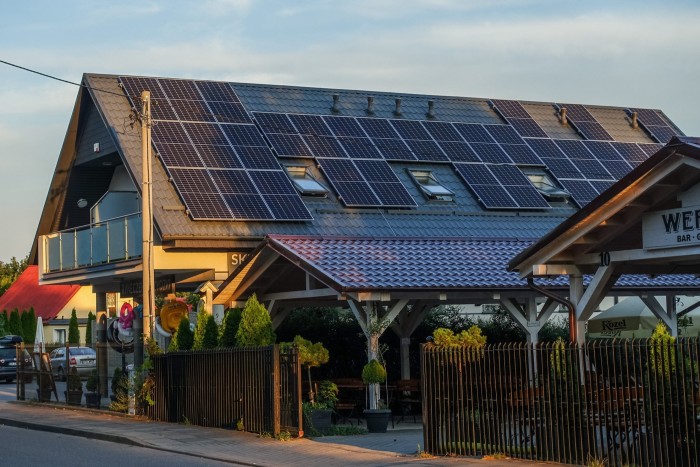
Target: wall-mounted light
<point>82,202</point>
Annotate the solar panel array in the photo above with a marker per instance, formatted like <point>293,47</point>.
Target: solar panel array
<point>222,161</point>
<point>656,126</point>
<point>221,166</point>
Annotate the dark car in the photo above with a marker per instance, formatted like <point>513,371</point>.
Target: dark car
<point>8,363</point>
<point>81,358</point>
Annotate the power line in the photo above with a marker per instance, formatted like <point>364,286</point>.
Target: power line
<point>59,79</point>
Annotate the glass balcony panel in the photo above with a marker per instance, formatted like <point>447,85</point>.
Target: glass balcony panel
<point>83,251</point>
<point>117,239</point>
<point>134,237</point>
<point>68,250</point>
<point>53,246</point>
<point>100,245</point>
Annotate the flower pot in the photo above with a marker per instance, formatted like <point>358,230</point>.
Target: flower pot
<point>74,397</point>
<point>92,400</point>
<point>44,395</point>
<point>377,420</point>
<point>321,419</point>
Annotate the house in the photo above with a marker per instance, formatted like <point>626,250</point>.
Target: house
<point>383,203</point>
<point>53,303</point>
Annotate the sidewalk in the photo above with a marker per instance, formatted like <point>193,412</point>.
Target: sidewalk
<point>396,447</point>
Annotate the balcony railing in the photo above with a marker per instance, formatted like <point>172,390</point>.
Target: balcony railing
<point>110,241</point>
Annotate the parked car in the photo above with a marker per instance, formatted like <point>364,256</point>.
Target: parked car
<point>8,362</point>
<point>82,358</point>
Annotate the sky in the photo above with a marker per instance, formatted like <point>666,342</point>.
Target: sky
<point>620,53</point>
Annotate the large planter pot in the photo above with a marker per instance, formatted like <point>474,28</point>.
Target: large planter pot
<point>44,395</point>
<point>92,400</point>
<point>377,420</point>
<point>321,419</point>
<point>74,397</point>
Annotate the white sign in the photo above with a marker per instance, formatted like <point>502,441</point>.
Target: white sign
<point>671,228</point>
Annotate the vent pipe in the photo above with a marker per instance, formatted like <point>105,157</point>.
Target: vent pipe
<point>562,115</point>
<point>370,105</point>
<point>431,109</point>
<point>635,124</point>
<point>397,111</point>
<point>336,99</point>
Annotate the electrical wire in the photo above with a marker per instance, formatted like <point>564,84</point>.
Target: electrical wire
<point>60,79</point>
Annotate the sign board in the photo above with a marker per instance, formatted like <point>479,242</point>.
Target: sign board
<point>614,325</point>
<point>671,228</point>
<point>163,285</point>
<point>236,258</point>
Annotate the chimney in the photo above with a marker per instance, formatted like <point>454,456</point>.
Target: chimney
<point>635,124</point>
<point>397,111</point>
<point>431,109</point>
<point>370,105</point>
<point>562,115</point>
<point>336,99</point>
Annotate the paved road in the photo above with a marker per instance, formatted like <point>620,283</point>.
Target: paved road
<point>20,448</point>
<point>8,391</point>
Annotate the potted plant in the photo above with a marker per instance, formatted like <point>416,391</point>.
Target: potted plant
<point>92,397</point>
<point>45,388</point>
<point>119,385</point>
<point>321,410</point>
<point>74,392</point>
<point>320,406</point>
<point>377,416</point>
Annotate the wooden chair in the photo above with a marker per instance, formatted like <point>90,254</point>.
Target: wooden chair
<point>408,395</point>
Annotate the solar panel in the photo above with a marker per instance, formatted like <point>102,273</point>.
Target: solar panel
<point>229,112</point>
<point>592,130</point>
<point>162,110</point>
<point>324,146</point>
<point>494,196</point>
<point>359,148</point>
<point>649,117</point>
<point>377,128</point>
<point>546,149</point>
<point>476,174</point>
<point>442,131</point>
<point>233,181</point>
<point>650,149</point>
<point>527,127</point>
<point>180,89</point>
<point>601,185</point>
<point>662,134</point>
<point>274,123</point>
<point>573,149</point>
<point>630,152</point>
<point>581,191</point>
<point>219,156</point>
<point>618,169</point>
<point>178,155</point>
<point>243,135</point>
<point>410,129</point>
<point>289,145</point>
<point>504,134</point>
<point>192,180</point>
<point>272,182</point>
<point>206,206</point>
<point>521,154</point>
<point>342,170</point>
<point>205,133</point>
<point>592,169</point>
<point>310,125</point>
<point>393,149</point>
<point>385,184</point>
<point>458,151</point>
<point>491,153</point>
<point>216,91</point>
<point>193,111</point>
<point>509,109</point>
<point>473,133</point>
<point>133,86</point>
<point>287,207</point>
<point>344,126</point>
<point>577,112</point>
<point>528,197</point>
<point>602,150</point>
<point>426,150</point>
<point>562,168</point>
<point>257,157</point>
<point>169,132</point>
<point>248,207</point>
<point>356,194</point>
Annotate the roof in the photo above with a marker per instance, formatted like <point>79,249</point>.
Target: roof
<point>47,300</point>
<point>612,221</point>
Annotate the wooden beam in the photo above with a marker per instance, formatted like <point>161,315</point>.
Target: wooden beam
<point>601,282</point>
<point>299,294</point>
<point>516,312</point>
<point>360,316</point>
<point>392,313</point>
<point>547,309</point>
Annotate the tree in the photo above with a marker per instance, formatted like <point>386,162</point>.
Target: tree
<point>3,323</point>
<point>88,328</point>
<point>229,327</point>
<point>256,327</point>
<point>14,325</point>
<point>183,338</point>
<point>9,272</point>
<point>73,331</point>
<point>28,319</point>
<point>206,334</point>
<point>310,355</point>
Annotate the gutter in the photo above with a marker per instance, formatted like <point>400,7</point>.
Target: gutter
<point>563,301</point>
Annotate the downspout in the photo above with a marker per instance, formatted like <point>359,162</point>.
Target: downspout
<point>563,301</point>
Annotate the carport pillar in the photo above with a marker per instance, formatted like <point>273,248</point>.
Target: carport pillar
<point>405,358</point>
<point>575,295</point>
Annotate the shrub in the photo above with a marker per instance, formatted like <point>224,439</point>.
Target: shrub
<point>256,327</point>
<point>229,327</point>
<point>88,328</point>
<point>73,382</point>
<point>14,324</point>
<point>327,395</point>
<point>310,355</point>
<point>208,337</point>
<point>373,372</point>
<point>73,331</point>
<point>183,338</point>
<point>120,382</point>
<point>91,384</point>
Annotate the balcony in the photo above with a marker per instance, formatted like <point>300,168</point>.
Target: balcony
<point>110,241</point>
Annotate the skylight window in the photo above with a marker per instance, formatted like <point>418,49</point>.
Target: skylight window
<point>304,182</point>
<point>430,186</point>
<point>546,186</point>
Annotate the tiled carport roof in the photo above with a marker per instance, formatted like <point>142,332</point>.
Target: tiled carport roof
<point>427,263</point>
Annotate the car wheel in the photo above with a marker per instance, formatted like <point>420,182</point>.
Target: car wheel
<point>61,376</point>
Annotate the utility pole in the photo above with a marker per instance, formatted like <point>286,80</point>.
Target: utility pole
<point>148,304</point>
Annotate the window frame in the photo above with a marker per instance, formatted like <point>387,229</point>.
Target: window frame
<point>293,172</point>
<point>444,196</point>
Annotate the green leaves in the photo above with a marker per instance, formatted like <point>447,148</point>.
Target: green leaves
<point>73,331</point>
<point>255,328</point>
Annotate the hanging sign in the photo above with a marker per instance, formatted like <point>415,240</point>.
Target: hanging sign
<point>671,228</point>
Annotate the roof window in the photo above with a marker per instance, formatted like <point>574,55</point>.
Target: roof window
<point>304,182</point>
<point>430,186</point>
<point>546,185</point>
